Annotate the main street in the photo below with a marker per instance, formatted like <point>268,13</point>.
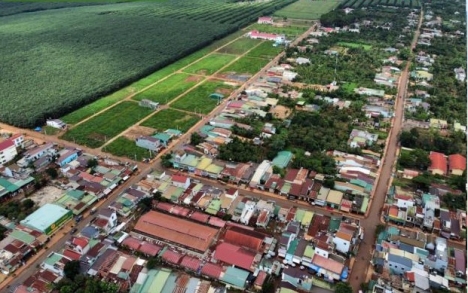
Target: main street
<point>363,258</point>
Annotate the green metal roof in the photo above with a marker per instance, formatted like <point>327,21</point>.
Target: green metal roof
<point>8,185</point>
<point>292,246</point>
<point>299,215</point>
<point>77,194</point>
<point>235,277</point>
<point>22,236</point>
<point>282,159</point>
<point>365,204</point>
<point>162,136</point>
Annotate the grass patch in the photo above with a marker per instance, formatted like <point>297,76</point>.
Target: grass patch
<point>265,50</point>
<point>168,89</point>
<point>349,87</point>
<point>170,118</point>
<point>240,46</point>
<point>49,130</point>
<point>124,147</point>
<point>307,9</point>
<point>246,65</point>
<point>210,64</point>
<point>355,45</point>
<point>97,130</point>
<point>198,100</point>
<point>289,31</point>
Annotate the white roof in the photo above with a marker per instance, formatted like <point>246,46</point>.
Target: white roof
<point>262,168</point>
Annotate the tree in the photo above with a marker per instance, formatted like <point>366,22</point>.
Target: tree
<point>72,269</point>
<point>27,204</point>
<point>92,163</point>
<point>329,182</point>
<point>196,139</point>
<point>166,161</point>
<point>52,172</point>
<point>342,287</point>
<point>146,204</point>
<point>268,287</point>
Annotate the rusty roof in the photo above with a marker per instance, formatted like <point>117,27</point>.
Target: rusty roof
<point>245,238</point>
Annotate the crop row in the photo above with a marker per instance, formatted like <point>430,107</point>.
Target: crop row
<point>366,3</point>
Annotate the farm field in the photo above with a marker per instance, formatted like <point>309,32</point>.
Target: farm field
<point>124,147</point>
<point>355,45</point>
<point>369,3</point>
<point>198,100</point>
<point>168,89</point>
<point>240,46</point>
<point>170,118</point>
<point>210,64</point>
<point>97,55</point>
<point>265,50</point>
<point>97,130</point>
<point>289,31</point>
<point>246,65</point>
<point>307,9</point>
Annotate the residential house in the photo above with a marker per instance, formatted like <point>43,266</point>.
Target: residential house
<point>36,153</point>
<point>149,143</point>
<point>7,151</point>
<point>361,138</point>
<point>266,36</point>
<point>66,156</point>
<point>438,163</point>
<point>106,220</point>
<point>265,20</point>
<point>302,61</point>
<point>18,140</point>
<point>457,164</point>
<point>182,181</point>
<point>263,168</point>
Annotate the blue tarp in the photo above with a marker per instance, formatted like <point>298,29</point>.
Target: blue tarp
<point>38,129</point>
<point>344,274</point>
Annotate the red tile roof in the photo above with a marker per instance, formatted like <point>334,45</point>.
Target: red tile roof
<point>457,162</point>
<point>291,175</point>
<point>179,178</point>
<point>191,263</point>
<point>80,241</point>
<point>438,162</point>
<point>199,217</point>
<point>212,270</point>
<point>234,255</point>
<point>6,144</point>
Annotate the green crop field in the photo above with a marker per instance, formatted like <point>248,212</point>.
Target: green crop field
<point>170,118</point>
<point>240,46</point>
<point>198,100</point>
<point>210,64</point>
<point>246,65</point>
<point>168,89</point>
<point>289,31</point>
<point>265,50</point>
<point>355,45</point>
<point>97,130</point>
<point>76,55</point>
<point>124,147</point>
<point>307,9</point>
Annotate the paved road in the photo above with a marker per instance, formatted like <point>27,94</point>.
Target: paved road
<point>363,258</point>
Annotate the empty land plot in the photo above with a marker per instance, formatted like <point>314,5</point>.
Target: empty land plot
<point>210,64</point>
<point>240,46</point>
<point>265,50</point>
<point>124,147</point>
<point>97,130</point>
<point>246,65</point>
<point>168,89</point>
<point>307,9</point>
<point>199,100</point>
<point>170,118</point>
<point>355,45</point>
<point>291,31</point>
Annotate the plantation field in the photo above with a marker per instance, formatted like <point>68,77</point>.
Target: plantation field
<point>265,50</point>
<point>97,130</point>
<point>210,64</point>
<point>289,31</point>
<point>246,65</point>
<point>76,55</point>
<point>124,147</point>
<point>355,45</point>
<point>368,3</point>
<point>170,118</point>
<point>240,46</point>
<point>168,89</point>
<point>307,9</point>
<point>198,100</point>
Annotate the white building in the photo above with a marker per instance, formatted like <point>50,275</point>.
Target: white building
<point>180,181</point>
<point>264,167</point>
<point>7,151</point>
<point>247,212</point>
<point>342,241</point>
<point>56,123</point>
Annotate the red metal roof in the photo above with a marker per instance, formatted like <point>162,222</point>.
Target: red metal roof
<point>164,206</point>
<point>260,279</point>
<point>172,256</point>
<point>149,249</point>
<point>199,217</point>
<point>410,276</point>
<point>217,222</point>
<point>328,264</point>
<point>179,178</point>
<point>438,162</point>
<point>212,270</point>
<point>231,191</point>
<point>291,175</point>
<point>132,243</point>
<point>245,238</point>
<point>457,162</point>
<point>180,211</point>
<point>191,263</point>
<point>73,255</point>
<point>80,241</point>
<point>6,144</point>
<point>234,255</point>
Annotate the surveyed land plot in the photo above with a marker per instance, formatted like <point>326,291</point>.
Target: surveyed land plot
<point>124,147</point>
<point>246,65</point>
<point>307,9</point>
<point>198,100</point>
<point>210,64</point>
<point>265,50</point>
<point>240,46</point>
<point>96,131</point>
<point>355,45</point>
<point>170,118</point>
<point>291,31</point>
<point>168,89</point>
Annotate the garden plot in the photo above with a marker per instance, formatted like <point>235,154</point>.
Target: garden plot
<point>170,118</point>
<point>210,64</point>
<point>240,46</point>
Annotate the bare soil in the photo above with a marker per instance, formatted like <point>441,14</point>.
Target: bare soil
<point>193,78</point>
<point>137,131</point>
<point>280,112</point>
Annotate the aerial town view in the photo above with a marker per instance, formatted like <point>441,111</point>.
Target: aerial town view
<point>218,146</point>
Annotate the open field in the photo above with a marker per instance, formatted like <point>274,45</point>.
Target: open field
<point>210,64</point>
<point>265,50</point>
<point>240,46</point>
<point>355,45</point>
<point>168,89</point>
<point>97,55</point>
<point>246,65</point>
<point>97,130</point>
<point>170,118</point>
<point>291,31</point>
<point>307,9</point>
<point>198,100</point>
<point>124,147</point>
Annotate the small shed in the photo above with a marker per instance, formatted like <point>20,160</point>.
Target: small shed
<point>217,96</point>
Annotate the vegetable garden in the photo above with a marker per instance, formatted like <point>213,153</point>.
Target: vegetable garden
<point>75,56</point>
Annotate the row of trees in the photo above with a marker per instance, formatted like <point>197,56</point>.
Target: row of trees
<point>432,140</point>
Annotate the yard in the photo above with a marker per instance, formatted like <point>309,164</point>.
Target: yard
<point>97,130</point>
<point>246,65</point>
<point>307,9</point>
<point>168,89</point>
<point>265,50</point>
<point>124,147</point>
<point>199,101</point>
<point>290,31</point>
<point>355,45</point>
<point>240,46</point>
<point>170,118</point>
<point>210,64</point>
